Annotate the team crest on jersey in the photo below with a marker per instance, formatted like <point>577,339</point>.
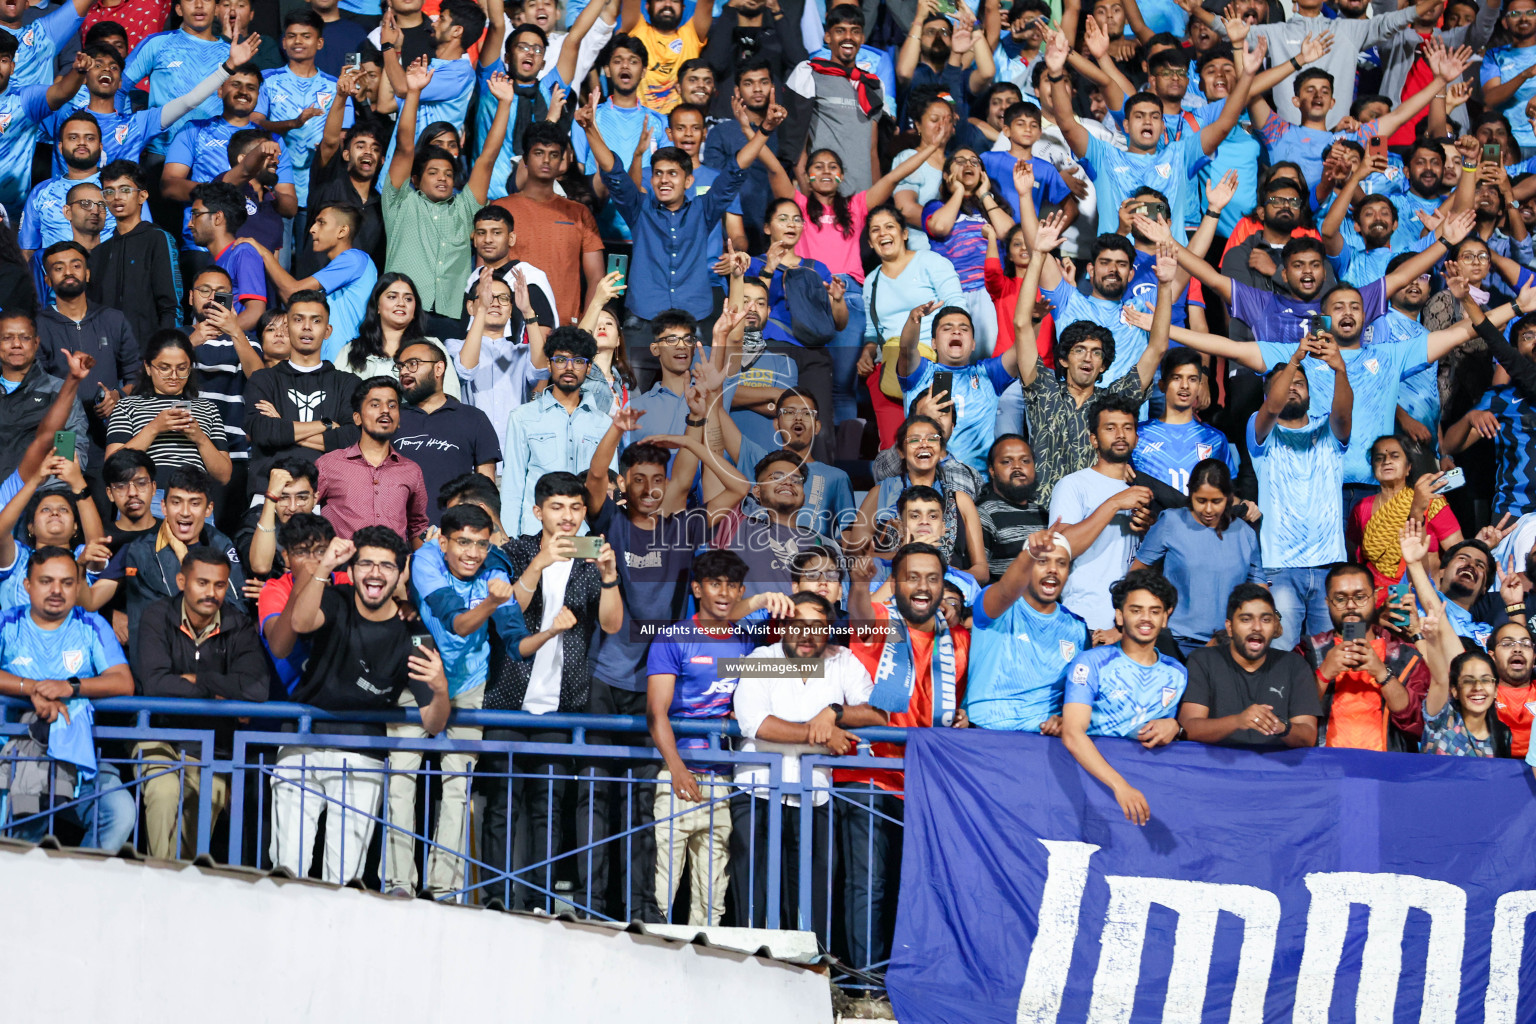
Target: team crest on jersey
<point>73,660</point>
<point>173,64</point>
<point>1080,674</point>
<point>26,40</point>
<point>1203,451</point>
<point>676,45</point>
<point>120,133</point>
<point>1163,170</point>
<point>1373,366</point>
<point>5,122</point>
<point>1068,649</point>
<point>1169,693</point>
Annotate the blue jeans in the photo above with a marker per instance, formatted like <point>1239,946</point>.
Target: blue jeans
<point>108,820</point>
<point>1302,602</point>
<point>845,347</point>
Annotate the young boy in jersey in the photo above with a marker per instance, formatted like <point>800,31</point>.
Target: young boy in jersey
<point>974,387</point>
<point>684,681</point>
<point>460,599</point>
<point>1022,123</point>
<point>1127,689</point>
<point>1168,447</point>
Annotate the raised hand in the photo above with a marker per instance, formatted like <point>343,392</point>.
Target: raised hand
<point>917,314</point>
<point>1167,267</point>
<point>1458,226</point>
<point>627,417</point>
<point>586,113</point>
<point>1056,49</point>
<point>502,87</point>
<point>1140,319</point>
<point>557,97</point>
<point>1155,231</point>
<point>419,74</point>
<point>1237,29</point>
<point>1049,235</point>
<point>1457,95</point>
<point>1413,542</point>
<point>389,30</point>
<point>1315,47</point>
<point>1258,49</point>
<point>1096,39</point>
<point>337,554</point>
<point>836,289</point>
<point>1024,178</point>
<point>773,118</point>
<point>80,364</point>
<point>1492,535</point>
<point>242,51</point>
<point>1219,191</point>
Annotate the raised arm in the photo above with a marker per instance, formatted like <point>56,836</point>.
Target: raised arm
<point>586,119</point>
<point>1166,269</point>
<point>881,190</point>
<point>479,183</point>
<point>1056,50</point>
<point>912,46</point>
<point>1206,274</point>
<point>416,78</point>
<point>1277,394</point>
<point>911,337</point>
<point>496,32</point>
<point>332,132</point>
<point>1117,88</point>
<point>1342,412</point>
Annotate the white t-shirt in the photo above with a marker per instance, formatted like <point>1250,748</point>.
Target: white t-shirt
<point>543,694</point>
<point>795,699</point>
<point>1106,559</point>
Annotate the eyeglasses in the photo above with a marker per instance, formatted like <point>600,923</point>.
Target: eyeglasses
<point>532,49</point>
<point>201,213</point>
<point>675,340</point>
<point>205,289</point>
<point>172,372</point>
<point>126,191</point>
<point>90,204</point>
<point>1293,203</point>
<point>1474,257</point>
<point>785,218</point>
<point>138,483</point>
<point>830,576</point>
<point>499,300</point>
<point>795,412</point>
<point>370,565</point>
<point>412,365</point>
<point>1509,643</point>
<point>913,442</point>
<point>1469,680</point>
<point>966,161</point>
<point>1172,73</point>
<point>574,362</point>
<point>782,475</point>
<point>466,544</point>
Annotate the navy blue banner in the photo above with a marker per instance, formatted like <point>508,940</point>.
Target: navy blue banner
<point>1306,887</point>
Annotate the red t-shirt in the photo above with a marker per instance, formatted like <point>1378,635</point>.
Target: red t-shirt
<point>919,711</point>
<point>1515,710</point>
<point>1005,296</point>
<point>1419,76</point>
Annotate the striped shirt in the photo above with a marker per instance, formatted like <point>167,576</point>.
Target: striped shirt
<point>169,449</point>
<point>222,382</point>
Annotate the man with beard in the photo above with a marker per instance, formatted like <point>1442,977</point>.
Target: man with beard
<point>1110,264</point>
<point>770,537</point>
<point>1351,33</point>
<point>559,235</point>
<point>974,386</point>
<point>1508,73</point>
<point>829,505</point>
<point>558,430</point>
<point>75,323</point>
<point>347,278</point>
<point>1299,462</point>
<point>447,94</point>
<point>218,211</point>
<point>793,715</point>
<point>1127,689</point>
<point>26,107</point>
<point>1007,507</point>
<point>1100,515</point>
<point>836,100</point>
<point>919,665</point>
<point>1253,261</point>
<point>193,648</point>
<point>1366,255</point>
<point>935,55</point>
<point>441,434</point>
<point>301,405</point>
<point>344,170</point>
<point>1465,572</point>
<point>1168,447</point>
<point>369,483</point>
<point>363,656</point>
<point>1245,693</point>
<point>1516,696</point>
<point>199,152</point>
<point>85,211</point>
<point>1372,687</point>
<point>669,42</point>
<point>43,220</point>
<point>539,95</point>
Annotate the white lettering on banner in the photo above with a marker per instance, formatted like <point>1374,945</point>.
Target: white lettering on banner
<point>1198,905</point>
<point>1509,917</point>
<point>1388,897</point>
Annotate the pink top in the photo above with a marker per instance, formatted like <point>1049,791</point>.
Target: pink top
<point>139,18</point>
<point>825,242</point>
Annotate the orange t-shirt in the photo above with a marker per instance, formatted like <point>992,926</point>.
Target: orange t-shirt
<point>919,711</point>
<point>1357,716</point>
<point>1517,707</point>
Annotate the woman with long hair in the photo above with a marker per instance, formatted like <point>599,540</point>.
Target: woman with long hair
<point>166,419</point>
<point>604,320</point>
<point>904,281</point>
<point>1406,492</point>
<point>831,227</point>
<point>394,319</point>
<point>956,223</point>
<point>1460,719</point>
<point>36,518</point>
<point>1205,552</point>
<point>272,329</point>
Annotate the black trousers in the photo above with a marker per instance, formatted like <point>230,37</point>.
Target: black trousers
<point>749,865</point>
<point>630,858</point>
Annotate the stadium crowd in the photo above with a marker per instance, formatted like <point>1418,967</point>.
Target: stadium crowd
<point>1162,371</point>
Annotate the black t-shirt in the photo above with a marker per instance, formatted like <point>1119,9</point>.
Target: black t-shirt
<point>446,443</point>
<point>1284,682</point>
<point>356,664</point>
<point>331,182</point>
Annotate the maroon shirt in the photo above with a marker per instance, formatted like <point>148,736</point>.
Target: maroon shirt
<point>354,494</point>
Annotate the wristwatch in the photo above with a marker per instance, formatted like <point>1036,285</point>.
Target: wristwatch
<point>74,687</point>
<point>837,713</point>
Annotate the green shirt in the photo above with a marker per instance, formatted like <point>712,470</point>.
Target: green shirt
<point>429,243</point>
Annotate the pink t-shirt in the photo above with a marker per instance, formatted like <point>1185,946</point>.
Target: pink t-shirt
<point>825,242</point>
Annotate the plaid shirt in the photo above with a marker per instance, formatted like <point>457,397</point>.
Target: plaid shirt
<point>353,493</point>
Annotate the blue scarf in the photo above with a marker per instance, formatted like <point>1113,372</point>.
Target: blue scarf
<point>897,674</point>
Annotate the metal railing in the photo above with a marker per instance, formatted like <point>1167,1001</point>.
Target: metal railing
<point>790,862</point>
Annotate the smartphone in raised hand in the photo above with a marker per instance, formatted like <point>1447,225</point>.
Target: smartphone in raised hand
<point>64,444</point>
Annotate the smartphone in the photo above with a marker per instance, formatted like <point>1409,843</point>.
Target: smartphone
<point>943,381</point>
<point>619,264</point>
<point>1352,631</point>
<point>1454,477</point>
<point>1156,211</point>
<point>945,7</point>
<point>101,393</point>
<point>64,444</point>
<point>587,547</point>
<point>1317,323</point>
<point>1396,593</point>
<point>423,640</point>
<point>225,299</point>
<point>352,60</point>
<point>1492,153</point>
<point>1376,146</point>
